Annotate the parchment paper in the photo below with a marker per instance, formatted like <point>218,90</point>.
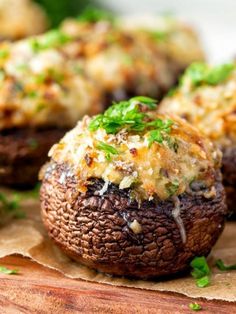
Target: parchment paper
<point>28,238</point>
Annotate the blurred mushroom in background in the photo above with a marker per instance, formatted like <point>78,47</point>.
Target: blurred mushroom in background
<point>21,18</point>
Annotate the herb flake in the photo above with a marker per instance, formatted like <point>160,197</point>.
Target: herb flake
<point>108,149</point>
<point>125,114</point>
<point>162,128</point>
<point>11,205</point>
<point>200,73</point>
<point>201,271</point>
<point>52,39</point>
<point>221,266</point>
<point>7,271</point>
<point>130,116</point>
<point>195,306</point>
<point>93,15</point>
<point>172,187</point>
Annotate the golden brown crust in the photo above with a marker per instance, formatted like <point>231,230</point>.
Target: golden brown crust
<point>152,169</point>
<point>42,88</point>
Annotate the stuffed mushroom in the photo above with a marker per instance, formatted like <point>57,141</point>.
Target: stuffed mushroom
<point>131,192</point>
<point>42,95</point>
<point>206,97</point>
<point>21,18</point>
<point>126,62</point>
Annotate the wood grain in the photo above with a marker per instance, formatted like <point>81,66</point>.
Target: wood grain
<point>42,291</point>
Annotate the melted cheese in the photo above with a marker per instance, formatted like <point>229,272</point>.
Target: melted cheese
<point>127,54</point>
<point>181,43</point>
<point>43,88</point>
<point>58,85</point>
<point>150,171</point>
<point>210,108</point>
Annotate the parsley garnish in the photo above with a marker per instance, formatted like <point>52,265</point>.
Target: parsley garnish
<point>150,102</point>
<point>195,306</point>
<point>93,15</point>
<point>200,73</point>
<point>128,114</point>
<point>7,271</point>
<point>159,35</point>
<point>108,149</point>
<point>11,205</point>
<point>201,271</point>
<point>162,128</point>
<point>125,114</point>
<point>52,39</point>
<point>33,143</point>
<point>4,53</point>
<point>221,266</point>
<point>172,187</point>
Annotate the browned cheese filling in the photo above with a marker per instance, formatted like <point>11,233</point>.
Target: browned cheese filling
<point>56,78</point>
<point>132,146</point>
<point>206,97</point>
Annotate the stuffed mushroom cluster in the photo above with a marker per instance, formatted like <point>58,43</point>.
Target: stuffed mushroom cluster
<point>50,81</point>
<point>132,192</point>
<point>206,97</point>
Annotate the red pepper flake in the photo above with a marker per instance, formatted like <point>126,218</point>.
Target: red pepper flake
<point>88,160</point>
<point>133,151</point>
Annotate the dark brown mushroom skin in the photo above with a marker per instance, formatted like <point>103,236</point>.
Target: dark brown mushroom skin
<point>95,230</point>
<point>229,177</point>
<point>23,152</point>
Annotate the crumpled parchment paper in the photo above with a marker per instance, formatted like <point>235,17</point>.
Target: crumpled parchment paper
<point>28,238</point>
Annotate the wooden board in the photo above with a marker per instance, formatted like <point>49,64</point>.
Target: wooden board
<point>40,290</point>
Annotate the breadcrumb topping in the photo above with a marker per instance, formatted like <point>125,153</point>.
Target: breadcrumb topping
<point>165,166</point>
<point>209,105</point>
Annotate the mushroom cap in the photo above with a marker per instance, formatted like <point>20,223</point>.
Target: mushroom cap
<point>117,235</point>
<point>23,152</point>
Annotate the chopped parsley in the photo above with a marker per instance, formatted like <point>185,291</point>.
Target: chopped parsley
<point>129,115</point>
<point>11,205</point>
<point>159,35</point>
<point>40,78</point>
<point>162,128</point>
<point>33,143</point>
<point>4,53</point>
<point>150,102</point>
<point>32,94</point>
<point>108,149</point>
<point>195,306</point>
<point>221,266</point>
<point>125,114</point>
<point>172,187</point>
<point>93,15</point>
<point>201,271</point>
<point>7,271</point>
<point>200,73</point>
<point>127,59</point>
<point>52,39</point>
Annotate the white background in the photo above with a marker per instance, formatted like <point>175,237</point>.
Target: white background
<point>215,20</point>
